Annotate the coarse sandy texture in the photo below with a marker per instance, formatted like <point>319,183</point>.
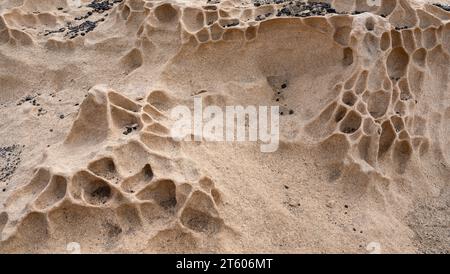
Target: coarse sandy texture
<point>86,156</point>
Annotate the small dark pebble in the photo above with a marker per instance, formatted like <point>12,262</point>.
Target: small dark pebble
<point>260,17</point>
<point>11,160</point>
<point>302,9</point>
<point>401,28</point>
<point>84,27</point>
<point>129,129</point>
<point>102,6</point>
<point>445,7</point>
<point>232,24</point>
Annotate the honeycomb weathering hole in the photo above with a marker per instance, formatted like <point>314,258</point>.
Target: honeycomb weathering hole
<point>351,123</point>
<point>340,113</point>
<point>349,98</point>
<point>147,172</point>
<point>348,57</point>
<point>200,221</point>
<point>200,214</point>
<point>398,123</point>
<point>361,83</point>
<point>125,12</point>
<point>203,35</point>
<point>397,63</point>
<point>55,191</point>
<point>402,155</point>
<point>206,183</point>
<point>122,101</point>
<point>136,182</point>
<point>370,24</point>
<point>105,168</point>
<point>123,118</point>
<point>3,221</point>
<point>386,139</point>
<point>101,194</point>
<point>419,57</point>
<point>216,196</point>
<point>342,35</point>
<point>378,103</point>
<point>159,100</point>
<point>385,41</point>
<point>166,13</point>
<point>97,192</point>
<point>193,19</point>
<point>162,192</point>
